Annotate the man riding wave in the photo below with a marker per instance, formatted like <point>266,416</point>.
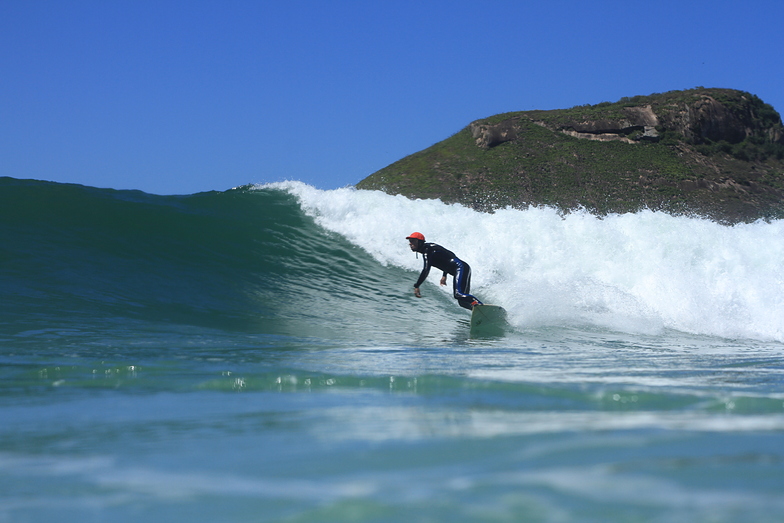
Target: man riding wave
<point>436,256</point>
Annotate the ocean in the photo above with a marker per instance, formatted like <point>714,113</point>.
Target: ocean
<point>258,355</point>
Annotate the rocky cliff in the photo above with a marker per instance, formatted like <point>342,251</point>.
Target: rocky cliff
<point>713,152</point>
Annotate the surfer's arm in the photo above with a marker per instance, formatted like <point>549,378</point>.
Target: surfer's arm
<point>423,274</point>
<point>443,278</point>
<point>422,277</point>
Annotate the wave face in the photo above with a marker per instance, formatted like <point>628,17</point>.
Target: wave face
<point>237,260</point>
<point>287,259</point>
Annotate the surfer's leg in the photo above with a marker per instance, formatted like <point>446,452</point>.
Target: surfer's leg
<point>461,285</point>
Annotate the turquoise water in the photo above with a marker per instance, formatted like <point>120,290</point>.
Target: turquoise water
<point>258,355</point>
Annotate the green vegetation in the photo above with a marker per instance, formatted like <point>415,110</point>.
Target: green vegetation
<point>752,149</point>
<point>686,170</point>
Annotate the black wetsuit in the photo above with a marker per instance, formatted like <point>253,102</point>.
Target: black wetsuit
<point>436,256</point>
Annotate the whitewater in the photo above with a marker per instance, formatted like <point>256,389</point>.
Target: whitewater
<point>641,272</point>
<point>257,354</point>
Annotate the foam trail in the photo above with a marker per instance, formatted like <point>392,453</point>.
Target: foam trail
<point>639,272</point>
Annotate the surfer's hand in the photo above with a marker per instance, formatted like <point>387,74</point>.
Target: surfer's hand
<point>416,292</point>
<point>443,280</point>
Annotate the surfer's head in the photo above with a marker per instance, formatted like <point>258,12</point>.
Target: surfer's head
<point>416,240</point>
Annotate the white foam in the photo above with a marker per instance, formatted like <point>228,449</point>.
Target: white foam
<point>637,272</point>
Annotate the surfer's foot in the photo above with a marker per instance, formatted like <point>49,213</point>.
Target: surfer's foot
<point>475,302</point>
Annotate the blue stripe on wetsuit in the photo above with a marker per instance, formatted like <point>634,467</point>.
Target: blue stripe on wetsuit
<point>462,284</point>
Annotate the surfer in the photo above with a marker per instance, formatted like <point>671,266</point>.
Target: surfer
<point>436,256</point>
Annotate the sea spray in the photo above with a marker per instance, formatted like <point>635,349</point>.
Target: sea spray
<point>637,272</point>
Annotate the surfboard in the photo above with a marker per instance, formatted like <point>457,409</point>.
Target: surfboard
<point>489,320</point>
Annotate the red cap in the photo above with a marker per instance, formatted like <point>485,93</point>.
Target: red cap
<point>416,236</point>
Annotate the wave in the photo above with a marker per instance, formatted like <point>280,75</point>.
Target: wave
<point>288,259</point>
<point>642,272</point>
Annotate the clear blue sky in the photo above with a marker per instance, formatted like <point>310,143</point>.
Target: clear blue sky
<point>176,97</point>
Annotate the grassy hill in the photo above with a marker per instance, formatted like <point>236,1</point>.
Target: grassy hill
<point>713,152</point>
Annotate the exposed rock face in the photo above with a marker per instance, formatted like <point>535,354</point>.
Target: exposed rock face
<point>640,124</point>
<point>607,135</point>
<point>636,118</point>
<point>488,136</point>
<point>709,120</point>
